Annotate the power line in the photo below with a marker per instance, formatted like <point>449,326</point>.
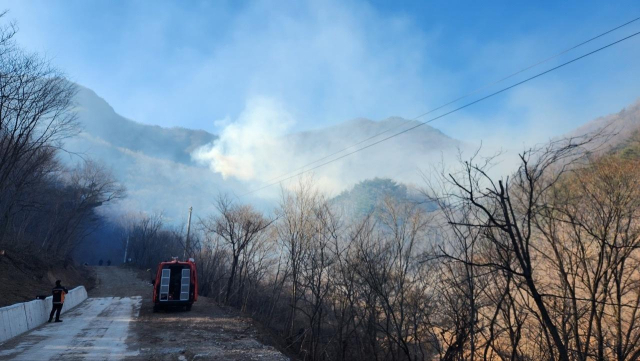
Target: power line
<point>447,113</point>
<point>446,104</point>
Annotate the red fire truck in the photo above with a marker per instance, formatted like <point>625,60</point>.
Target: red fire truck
<point>176,284</point>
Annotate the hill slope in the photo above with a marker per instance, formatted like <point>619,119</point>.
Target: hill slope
<point>154,163</point>
<point>622,127</point>
<point>100,121</point>
<point>157,167</point>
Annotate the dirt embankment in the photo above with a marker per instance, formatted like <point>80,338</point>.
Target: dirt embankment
<point>23,277</point>
<point>207,332</point>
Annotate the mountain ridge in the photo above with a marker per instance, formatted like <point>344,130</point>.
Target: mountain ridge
<point>98,118</point>
<point>158,167</point>
<point>618,126</point>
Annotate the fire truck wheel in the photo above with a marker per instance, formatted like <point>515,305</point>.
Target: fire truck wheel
<point>155,308</point>
<point>187,307</point>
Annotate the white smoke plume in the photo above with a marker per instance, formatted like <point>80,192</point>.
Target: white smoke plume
<point>262,147</point>
<point>250,147</point>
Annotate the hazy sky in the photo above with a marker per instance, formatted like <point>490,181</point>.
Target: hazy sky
<point>200,64</point>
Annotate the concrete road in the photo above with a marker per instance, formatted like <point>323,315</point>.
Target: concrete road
<point>116,322</point>
<point>95,330</point>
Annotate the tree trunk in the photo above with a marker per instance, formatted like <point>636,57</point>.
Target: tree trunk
<point>234,265</point>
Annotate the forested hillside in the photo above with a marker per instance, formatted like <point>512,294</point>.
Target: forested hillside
<point>367,196</point>
<point>46,208</point>
<point>539,262</point>
<point>542,264</point>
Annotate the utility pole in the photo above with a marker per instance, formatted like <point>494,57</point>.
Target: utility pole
<point>126,248</point>
<point>187,245</point>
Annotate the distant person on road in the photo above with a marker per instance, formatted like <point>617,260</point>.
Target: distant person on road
<point>58,300</point>
<point>109,263</point>
<point>100,263</point>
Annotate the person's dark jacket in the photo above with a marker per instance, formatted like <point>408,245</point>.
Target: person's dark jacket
<point>58,294</point>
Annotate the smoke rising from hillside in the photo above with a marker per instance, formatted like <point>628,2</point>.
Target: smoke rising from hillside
<point>260,147</point>
<point>251,147</point>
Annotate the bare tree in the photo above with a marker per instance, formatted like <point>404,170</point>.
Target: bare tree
<point>239,226</point>
<point>591,231</point>
<point>212,267</point>
<point>507,211</point>
<point>36,114</point>
<point>144,241</point>
<point>295,230</point>
<point>84,189</point>
<point>36,104</point>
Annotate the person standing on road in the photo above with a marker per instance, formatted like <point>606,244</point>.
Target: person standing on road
<point>58,300</point>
